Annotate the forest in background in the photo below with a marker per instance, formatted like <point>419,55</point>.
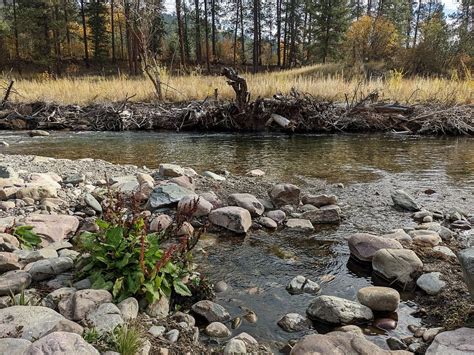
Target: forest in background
<point>76,37</point>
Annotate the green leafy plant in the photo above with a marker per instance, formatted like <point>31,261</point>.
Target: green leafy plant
<point>91,335</point>
<point>126,339</point>
<point>26,236</point>
<point>122,258</point>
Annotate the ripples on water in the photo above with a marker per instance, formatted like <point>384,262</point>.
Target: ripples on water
<point>258,267</point>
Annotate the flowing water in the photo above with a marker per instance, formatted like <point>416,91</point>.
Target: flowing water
<point>258,267</point>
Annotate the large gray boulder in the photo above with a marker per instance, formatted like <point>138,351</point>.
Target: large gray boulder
<point>203,207</point>
<point>398,265</point>
<point>61,343</point>
<point>363,246</point>
<point>431,283</point>
<point>454,342</point>
<point>339,343</point>
<point>28,322</point>
<point>233,218</point>
<point>52,228</point>
<point>319,200</point>
<point>335,310</point>
<point>14,281</point>
<point>330,214</point>
<point>167,195</point>
<point>105,318</point>
<point>404,201</point>
<point>466,259</point>
<point>84,301</point>
<point>49,268</point>
<point>211,311</point>
<point>13,346</point>
<point>170,170</point>
<point>285,194</point>
<point>384,299</point>
<point>247,201</point>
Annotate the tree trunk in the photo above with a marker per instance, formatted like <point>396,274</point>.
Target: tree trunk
<point>206,30</point>
<point>15,32</point>
<point>213,29</point>
<point>84,35</point>
<point>278,34</point>
<point>198,32</point>
<point>417,23</point>
<point>187,53</point>
<point>242,33</point>
<point>255,35</point>
<point>236,30</point>
<point>180,33</point>
<point>66,27</point>
<point>112,29</point>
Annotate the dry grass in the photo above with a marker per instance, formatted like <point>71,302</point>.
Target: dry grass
<point>316,80</point>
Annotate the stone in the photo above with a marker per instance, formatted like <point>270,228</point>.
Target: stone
<point>319,200</point>
<point>84,301</point>
<point>399,235</point>
<point>52,228</point>
<point>7,172</point>
<point>184,181</point>
<point>49,268</point>
<point>363,246</point>
<point>7,205</point>
<point>339,343</point>
<point>247,201</point>
<point>466,259</point>
<point>8,262</point>
<point>385,323</point>
<point>217,330</point>
<point>443,251</point>
<point>296,285</point>
<point>213,176</point>
<point>212,198</point>
<point>454,342</point>
<point>203,207</point>
<point>7,193</point>
<point>285,194</point>
<point>233,218</point>
<point>350,328</point>
<point>247,339</point>
<point>167,195</point>
<point>38,133</point>
<point>129,308</point>
<point>277,215</point>
<point>61,343</point>
<point>293,322</point>
<point>13,346</point>
<point>27,322</point>
<point>431,333</point>
<point>184,317</point>
<point>37,193</point>
<point>397,264</point>
<point>306,208</point>
<point>311,287</point>
<point>52,299</point>
<point>159,308</point>
<point>172,335</point>
<point>82,284</point>
<point>234,347</point>
<point>14,281</point>
<point>384,299</point>
<point>335,310</point>
<point>157,330</point>
<point>330,214</point>
<point>40,254</point>
<point>404,201</point>
<point>186,229</point>
<point>396,344</point>
<point>170,170</point>
<point>256,173</point>
<point>68,253</point>
<point>105,318</point>
<point>420,215</point>
<point>74,179</point>
<point>445,233</point>
<point>267,222</point>
<point>299,225</point>
<point>211,311</point>
<point>92,202</point>
<point>66,325</point>
<point>431,283</point>
<point>221,286</point>
<point>160,223</point>
<point>8,242</point>
<point>425,237</point>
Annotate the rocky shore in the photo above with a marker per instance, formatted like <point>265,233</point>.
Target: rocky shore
<point>46,307</point>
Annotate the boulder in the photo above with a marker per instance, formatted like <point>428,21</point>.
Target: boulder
<point>105,318</point>
<point>330,214</point>
<point>160,223</point>
<point>8,262</point>
<point>267,222</point>
<point>52,299</point>
<point>8,242</point>
<point>27,322</point>
<point>399,235</point>
<point>49,268</point>
<point>184,181</point>
<point>13,346</point>
<point>247,201</point>
<point>293,322</point>
<point>217,330</point>
<point>299,225</point>
<point>211,311</point>
<point>466,259</point>
<point>61,343</point>
<point>14,281</point>
<point>166,195</point>
<point>203,207</point>
<point>277,215</point>
<point>335,310</point>
<point>431,283</point>
<point>92,202</point>
<point>38,133</point>
<point>160,308</point>
<point>339,343</point>
<point>37,192</point>
<point>84,301</point>
<point>397,264</point>
<point>454,342</point>
<point>170,170</point>
<point>236,219</point>
<point>52,228</point>
<point>319,200</point>
<point>363,246</point>
<point>443,252</point>
<point>384,299</point>
<point>40,254</point>
<point>235,346</point>
<point>285,194</point>
<point>129,308</point>
<point>404,201</point>
<point>7,172</point>
<point>212,198</point>
<point>300,284</point>
<point>425,237</point>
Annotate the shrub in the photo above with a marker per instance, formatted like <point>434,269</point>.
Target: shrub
<point>27,238</point>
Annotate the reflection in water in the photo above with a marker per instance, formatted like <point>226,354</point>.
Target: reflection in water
<point>337,158</point>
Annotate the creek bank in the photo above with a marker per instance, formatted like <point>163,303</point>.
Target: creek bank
<point>91,306</point>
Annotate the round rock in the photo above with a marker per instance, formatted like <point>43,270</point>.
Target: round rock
<point>384,299</point>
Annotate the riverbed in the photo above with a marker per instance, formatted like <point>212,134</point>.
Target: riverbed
<point>360,169</point>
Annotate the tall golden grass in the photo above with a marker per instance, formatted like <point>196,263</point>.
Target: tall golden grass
<point>319,81</point>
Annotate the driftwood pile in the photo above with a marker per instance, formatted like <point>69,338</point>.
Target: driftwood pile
<point>294,112</point>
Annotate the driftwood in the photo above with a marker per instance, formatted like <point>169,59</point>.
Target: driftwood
<point>7,94</point>
<point>239,84</point>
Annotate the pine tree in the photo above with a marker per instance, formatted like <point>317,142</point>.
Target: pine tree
<point>97,12</point>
